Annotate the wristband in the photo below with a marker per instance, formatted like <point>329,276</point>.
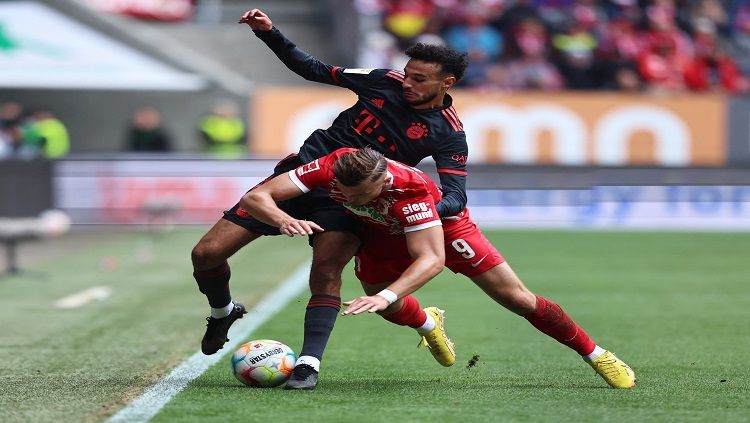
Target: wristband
<point>389,296</point>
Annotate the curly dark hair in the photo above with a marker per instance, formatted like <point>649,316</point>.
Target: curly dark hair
<point>451,61</point>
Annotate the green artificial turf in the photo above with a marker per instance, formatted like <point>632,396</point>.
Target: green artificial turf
<point>675,306</point>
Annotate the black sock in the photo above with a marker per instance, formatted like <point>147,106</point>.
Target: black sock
<point>319,319</point>
<point>214,284</point>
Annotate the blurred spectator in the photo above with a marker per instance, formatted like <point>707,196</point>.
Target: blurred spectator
<point>713,11</point>
<point>663,67</point>
<point>45,135</point>
<point>407,19</point>
<point>623,9</point>
<point>661,19</point>
<point>530,69</point>
<point>553,12</point>
<point>740,28</point>
<point>575,58</point>
<point>518,11</point>
<point>11,114</point>
<point>145,132</point>
<point>621,42</point>
<point>712,69</point>
<point>625,77</point>
<point>483,43</point>
<point>223,131</point>
<point>593,44</point>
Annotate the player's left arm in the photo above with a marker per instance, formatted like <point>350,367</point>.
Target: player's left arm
<point>428,251</point>
<point>454,194</point>
<point>260,202</point>
<point>451,168</point>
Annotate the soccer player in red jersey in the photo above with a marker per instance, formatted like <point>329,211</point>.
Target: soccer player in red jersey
<point>403,250</point>
<point>406,115</point>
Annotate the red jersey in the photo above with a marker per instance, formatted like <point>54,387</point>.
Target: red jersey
<point>407,205</point>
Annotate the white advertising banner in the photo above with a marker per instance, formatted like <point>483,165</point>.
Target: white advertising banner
<point>42,48</point>
<point>143,192</point>
<point>675,207</point>
<point>125,192</point>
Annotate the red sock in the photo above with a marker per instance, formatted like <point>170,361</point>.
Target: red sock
<point>411,314</point>
<point>553,321</point>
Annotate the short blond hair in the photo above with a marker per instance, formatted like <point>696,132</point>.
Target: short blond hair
<point>363,165</point>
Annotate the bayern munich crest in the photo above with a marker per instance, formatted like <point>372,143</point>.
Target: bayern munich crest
<point>417,131</point>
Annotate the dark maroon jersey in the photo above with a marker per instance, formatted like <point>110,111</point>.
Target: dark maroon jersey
<point>383,120</point>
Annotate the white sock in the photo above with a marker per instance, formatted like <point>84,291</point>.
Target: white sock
<point>310,361</point>
<point>222,312</point>
<point>596,353</point>
<point>428,325</point>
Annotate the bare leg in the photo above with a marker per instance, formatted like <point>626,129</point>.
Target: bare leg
<point>211,272</point>
<point>503,286</point>
<point>219,243</point>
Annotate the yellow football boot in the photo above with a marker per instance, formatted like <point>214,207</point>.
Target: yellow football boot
<point>437,340</point>
<point>614,371</point>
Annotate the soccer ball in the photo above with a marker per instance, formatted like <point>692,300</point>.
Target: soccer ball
<point>263,363</point>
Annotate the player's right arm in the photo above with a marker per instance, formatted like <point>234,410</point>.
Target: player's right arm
<point>297,60</point>
<point>260,202</point>
<point>427,249</point>
<point>303,63</point>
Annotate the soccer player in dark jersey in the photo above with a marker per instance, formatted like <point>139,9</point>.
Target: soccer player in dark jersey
<point>405,115</point>
<point>402,247</point>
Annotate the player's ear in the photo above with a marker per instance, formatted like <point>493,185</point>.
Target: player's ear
<point>449,81</point>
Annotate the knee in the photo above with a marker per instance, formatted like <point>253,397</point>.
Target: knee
<point>325,278</point>
<point>203,256</point>
<point>515,298</point>
<point>521,301</point>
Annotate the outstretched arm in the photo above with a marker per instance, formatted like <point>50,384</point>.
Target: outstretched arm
<point>297,60</point>
<point>428,251</point>
<point>260,202</point>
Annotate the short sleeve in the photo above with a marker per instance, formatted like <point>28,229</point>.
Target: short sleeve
<point>311,175</point>
<point>416,213</point>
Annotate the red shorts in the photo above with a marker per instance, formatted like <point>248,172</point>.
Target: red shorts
<point>385,257</point>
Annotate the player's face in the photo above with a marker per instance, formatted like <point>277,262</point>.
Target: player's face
<point>424,84</point>
<point>363,193</point>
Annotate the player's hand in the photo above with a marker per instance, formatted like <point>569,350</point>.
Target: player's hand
<point>370,304</point>
<point>257,20</point>
<point>297,227</point>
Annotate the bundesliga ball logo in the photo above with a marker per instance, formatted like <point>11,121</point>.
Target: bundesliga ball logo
<point>263,363</point>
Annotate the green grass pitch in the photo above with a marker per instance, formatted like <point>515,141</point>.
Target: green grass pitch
<point>675,306</point>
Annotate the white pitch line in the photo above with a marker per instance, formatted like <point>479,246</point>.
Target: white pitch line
<point>156,397</point>
<point>81,298</point>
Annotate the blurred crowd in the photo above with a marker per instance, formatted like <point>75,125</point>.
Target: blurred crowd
<point>34,134</point>
<point>629,45</point>
<point>31,134</point>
